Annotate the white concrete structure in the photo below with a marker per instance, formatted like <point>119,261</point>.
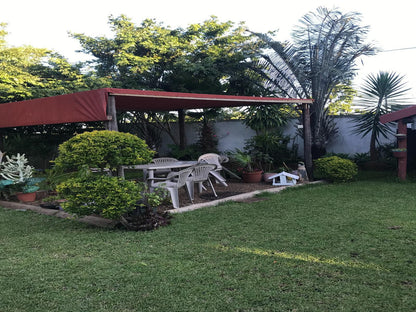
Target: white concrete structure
<point>233,134</point>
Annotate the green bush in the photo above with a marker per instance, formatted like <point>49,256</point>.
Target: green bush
<point>110,197</point>
<point>102,149</point>
<point>335,169</point>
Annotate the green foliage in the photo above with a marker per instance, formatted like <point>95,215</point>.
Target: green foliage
<point>27,72</point>
<point>377,95</point>
<point>340,155</point>
<point>270,150</point>
<point>209,57</point>
<point>111,197</point>
<point>335,169</point>
<point>207,141</point>
<point>361,158</point>
<point>321,57</point>
<point>244,159</point>
<point>265,118</point>
<point>102,149</point>
<point>190,152</point>
<point>340,100</point>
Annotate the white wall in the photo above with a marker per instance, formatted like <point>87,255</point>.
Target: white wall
<point>232,134</point>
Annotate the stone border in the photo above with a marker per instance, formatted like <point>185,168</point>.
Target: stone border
<point>97,221</point>
<point>236,198</point>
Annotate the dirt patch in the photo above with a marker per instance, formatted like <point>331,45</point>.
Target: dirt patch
<point>235,187</point>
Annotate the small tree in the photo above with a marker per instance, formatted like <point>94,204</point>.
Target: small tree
<point>378,94</point>
<point>102,149</point>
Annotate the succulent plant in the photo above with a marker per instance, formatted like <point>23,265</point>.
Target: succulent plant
<point>16,169</point>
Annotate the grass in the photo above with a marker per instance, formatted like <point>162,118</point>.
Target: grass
<point>346,247</point>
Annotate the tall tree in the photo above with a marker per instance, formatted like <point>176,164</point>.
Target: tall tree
<point>379,94</point>
<point>325,47</point>
<point>27,72</point>
<point>211,57</point>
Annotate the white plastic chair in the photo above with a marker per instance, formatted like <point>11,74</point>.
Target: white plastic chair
<point>217,160</point>
<point>161,161</point>
<point>199,175</point>
<point>173,182</point>
<point>1,156</point>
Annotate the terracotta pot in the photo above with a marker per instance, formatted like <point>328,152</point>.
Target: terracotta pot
<point>252,176</point>
<point>267,175</point>
<point>26,197</point>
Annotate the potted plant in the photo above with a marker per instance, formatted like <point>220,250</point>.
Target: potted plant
<point>18,178</point>
<point>250,172</point>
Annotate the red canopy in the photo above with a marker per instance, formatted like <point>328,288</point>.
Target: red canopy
<point>93,105</point>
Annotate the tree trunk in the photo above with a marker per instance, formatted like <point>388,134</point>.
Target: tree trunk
<point>182,136</point>
<point>373,150</point>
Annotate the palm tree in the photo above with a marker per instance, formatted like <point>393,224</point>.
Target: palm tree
<point>322,56</point>
<point>378,95</point>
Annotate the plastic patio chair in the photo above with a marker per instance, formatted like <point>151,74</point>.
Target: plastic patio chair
<point>199,175</point>
<point>217,160</point>
<point>161,161</point>
<point>173,182</point>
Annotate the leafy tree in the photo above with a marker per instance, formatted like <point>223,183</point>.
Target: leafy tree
<point>378,95</point>
<point>16,80</point>
<point>206,58</point>
<point>322,56</point>
<point>211,57</point>
<point>340,100</point>
<point>27,72</point>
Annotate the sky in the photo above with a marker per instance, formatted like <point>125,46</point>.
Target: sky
<point>46,23</point>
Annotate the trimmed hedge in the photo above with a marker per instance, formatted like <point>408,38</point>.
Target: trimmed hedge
<point>102,149</point>
<point>110,197</point>
<point>335,169</point>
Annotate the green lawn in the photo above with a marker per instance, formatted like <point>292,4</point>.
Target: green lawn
<point>348,247</point>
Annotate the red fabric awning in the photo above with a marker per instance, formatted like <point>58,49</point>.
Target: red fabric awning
<point>75,107</point>
<point>92,105</point>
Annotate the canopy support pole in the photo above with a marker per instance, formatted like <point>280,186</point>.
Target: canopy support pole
<point>111,123</point>
<point>307,140</point>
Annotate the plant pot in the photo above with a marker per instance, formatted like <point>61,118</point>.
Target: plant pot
<point>267,175</point>
<point>26,197</point>
<point>252,176</point>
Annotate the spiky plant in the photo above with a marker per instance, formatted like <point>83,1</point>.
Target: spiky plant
<point>378,95</point>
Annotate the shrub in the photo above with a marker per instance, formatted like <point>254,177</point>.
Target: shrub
<point>335,169</point>
<point>102,149</point>
<point>269,150</point>
<point>110,197</point>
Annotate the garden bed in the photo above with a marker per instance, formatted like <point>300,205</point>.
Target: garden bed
<point>234,188</point>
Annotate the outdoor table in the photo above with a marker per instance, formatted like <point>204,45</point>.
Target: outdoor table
<point>151,168</point>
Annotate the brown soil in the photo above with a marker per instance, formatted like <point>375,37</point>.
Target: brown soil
<point>235,187</point>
